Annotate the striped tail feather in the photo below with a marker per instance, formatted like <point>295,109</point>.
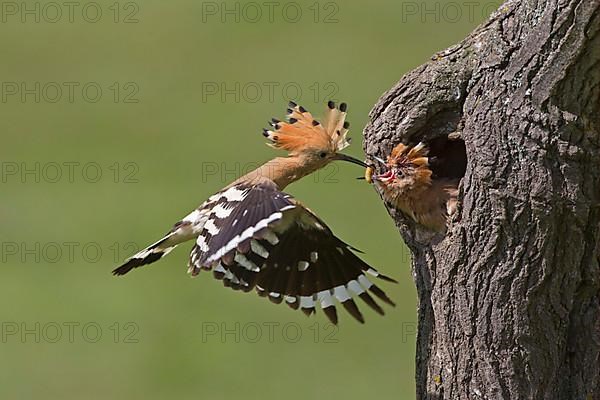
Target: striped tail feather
<point>150,254</point>
<point>182,231</point>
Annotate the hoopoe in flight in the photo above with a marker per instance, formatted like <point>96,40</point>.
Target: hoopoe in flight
<point>422,187</point>
<point>254,236</point>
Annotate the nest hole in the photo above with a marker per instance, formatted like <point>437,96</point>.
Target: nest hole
<point>448,157</point>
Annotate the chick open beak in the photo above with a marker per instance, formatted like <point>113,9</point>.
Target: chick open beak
<point>344,157</point>
<point>385,177</point>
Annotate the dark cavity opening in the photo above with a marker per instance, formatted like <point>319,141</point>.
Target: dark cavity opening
<point>447,157</point>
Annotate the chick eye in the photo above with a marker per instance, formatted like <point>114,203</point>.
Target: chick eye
<point>323,155</point>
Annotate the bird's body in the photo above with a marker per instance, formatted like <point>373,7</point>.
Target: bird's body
<point>429,206</point>
<point>252,235</point>
<point>409,185</point>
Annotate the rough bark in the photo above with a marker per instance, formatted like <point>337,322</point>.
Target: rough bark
<point>509,298</point>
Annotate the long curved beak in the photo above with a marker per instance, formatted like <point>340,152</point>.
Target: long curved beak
<point>344,157</point>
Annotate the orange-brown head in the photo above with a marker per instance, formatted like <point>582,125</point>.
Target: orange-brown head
<point>407,171</point>
<point>311,143</point>
<point>407,183</point>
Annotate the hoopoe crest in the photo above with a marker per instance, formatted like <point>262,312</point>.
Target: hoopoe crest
<point>254,236</point>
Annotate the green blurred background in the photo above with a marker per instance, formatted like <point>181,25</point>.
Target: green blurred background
<point>179,115</point>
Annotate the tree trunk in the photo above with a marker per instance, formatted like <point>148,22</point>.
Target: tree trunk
<point>509,298</point>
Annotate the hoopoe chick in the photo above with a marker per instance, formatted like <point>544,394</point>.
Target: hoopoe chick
<point>408,185</point>
<point>252,235</point>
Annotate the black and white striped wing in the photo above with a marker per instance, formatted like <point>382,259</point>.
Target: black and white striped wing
<point>238,214</point>
<point>268,241</point>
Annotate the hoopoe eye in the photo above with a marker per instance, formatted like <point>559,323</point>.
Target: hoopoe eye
<point>399,172</point>
<point>323,154</point>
